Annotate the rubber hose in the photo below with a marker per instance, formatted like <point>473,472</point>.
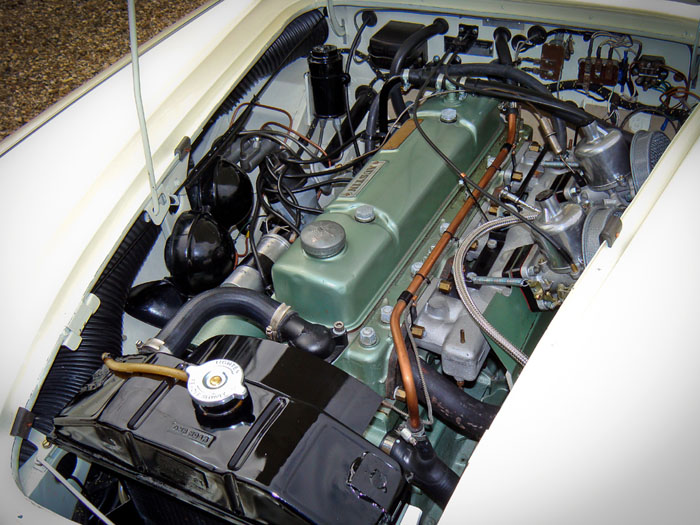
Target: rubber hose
<point>438,27</point>
<point>371,127</point>
<point>429,473</point>
<point>254,306</point>
<point>305,26</point>
<point>504,72</point>
<point>501,36</point>
<point>364,98</point>
<point>384,93</point>
<point>451,404</point>
<point>102,333</point>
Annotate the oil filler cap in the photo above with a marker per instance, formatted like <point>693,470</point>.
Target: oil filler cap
<point>216,383</point>
<point>323,239</point>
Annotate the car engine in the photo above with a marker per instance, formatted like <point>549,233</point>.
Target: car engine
<point>374,232</point>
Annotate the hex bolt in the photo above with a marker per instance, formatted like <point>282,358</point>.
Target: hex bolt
<point>385,313</point>
<point>368,337</point>
<point>491,244</point>
<point>444,226</point>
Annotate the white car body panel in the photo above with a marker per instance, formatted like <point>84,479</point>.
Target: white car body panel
<point>74,178</point>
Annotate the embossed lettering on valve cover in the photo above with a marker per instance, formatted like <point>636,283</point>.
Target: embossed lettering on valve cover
<point>362,179</point>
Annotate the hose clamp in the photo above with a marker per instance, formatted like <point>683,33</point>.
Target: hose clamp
<point>439,81</point>
<point>271,331</point>
<point>387,444</point>
<point>404,78</point>
<point>153,345</point>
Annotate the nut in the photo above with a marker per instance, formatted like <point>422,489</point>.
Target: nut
<point>445,286</point>
<point>417,331</point>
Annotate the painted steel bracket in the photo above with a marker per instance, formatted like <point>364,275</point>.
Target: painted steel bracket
<point>72,333</point>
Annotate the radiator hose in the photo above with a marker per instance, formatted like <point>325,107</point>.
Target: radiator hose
<point>427,471</point>
<point>452,405</point>
<point>276,319</point>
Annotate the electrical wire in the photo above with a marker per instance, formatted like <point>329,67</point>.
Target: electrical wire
<point>489,196</point>
<point>565,110</point>
<point>274,135</point>
<point>353,48</point>
<point>414,347</point>
<point>533,170</point>
<point>450,164</point>
<point>294,132</point>
<point>259,105</point>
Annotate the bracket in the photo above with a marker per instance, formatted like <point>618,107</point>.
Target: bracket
<point>72,333</point>
<point>338,27</point>
<point>174,178</point>
<point>465,39</point>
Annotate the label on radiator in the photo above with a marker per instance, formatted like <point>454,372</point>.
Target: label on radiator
<point>193,434</point>
<point>362,179</point>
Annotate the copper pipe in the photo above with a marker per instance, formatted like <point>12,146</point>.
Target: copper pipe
<point>144,368</point>
<point>409,384</point>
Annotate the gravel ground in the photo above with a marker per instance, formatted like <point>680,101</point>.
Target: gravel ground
<point>50,47</point>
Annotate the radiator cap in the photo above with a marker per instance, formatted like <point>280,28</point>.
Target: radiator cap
<point>323,239</point>
<point>216,383</point>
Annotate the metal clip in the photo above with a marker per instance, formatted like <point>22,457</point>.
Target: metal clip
<point>275,321</point>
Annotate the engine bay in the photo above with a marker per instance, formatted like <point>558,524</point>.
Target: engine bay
<point>374,232</point>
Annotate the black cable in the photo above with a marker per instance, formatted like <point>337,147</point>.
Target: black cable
<point>336,169</point>
<point>272,134</point>
<point>325,158</point>
<point>617,100</point>
<point>271,211</point>
<point>342,180</point>
<point>251,231</point>
<point>566,110</point>
<point>224,140</point>
<point>654,111</point>
<point>483,191</point>
<point>531,173</point>
<point>295,203</point>
<point>437,150</point>
<point>353,48</point>
<point>309,134</point>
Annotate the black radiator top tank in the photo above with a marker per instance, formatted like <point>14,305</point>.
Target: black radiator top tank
<point>290,452</point>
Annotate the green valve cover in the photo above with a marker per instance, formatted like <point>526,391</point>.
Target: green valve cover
<point>407,185</point>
